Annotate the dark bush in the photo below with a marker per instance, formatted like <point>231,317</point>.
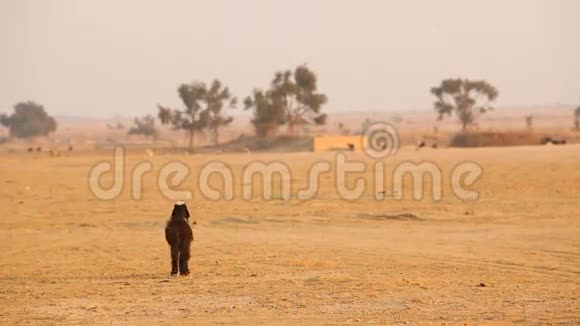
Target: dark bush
<point>28,120</point>
<point>483,139</point>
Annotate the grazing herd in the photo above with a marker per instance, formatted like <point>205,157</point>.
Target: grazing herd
<point>51,152</point>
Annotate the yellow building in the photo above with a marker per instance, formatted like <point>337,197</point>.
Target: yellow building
<point>333,143</point>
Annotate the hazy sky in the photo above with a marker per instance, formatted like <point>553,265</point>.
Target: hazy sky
<point>111,57</point>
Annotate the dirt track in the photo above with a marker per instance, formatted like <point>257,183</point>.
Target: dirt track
<point>513,256</point>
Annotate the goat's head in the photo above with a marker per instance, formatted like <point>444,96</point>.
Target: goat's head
<point>180,211</point>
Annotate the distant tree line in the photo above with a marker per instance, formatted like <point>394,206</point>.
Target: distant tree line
<point>292,99</point>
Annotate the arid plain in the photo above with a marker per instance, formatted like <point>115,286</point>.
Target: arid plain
<point>513,256</point>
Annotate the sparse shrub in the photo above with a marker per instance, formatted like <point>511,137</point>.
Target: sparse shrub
<point>484,139</point>
<point>144,126</point>
<point>529,122</point>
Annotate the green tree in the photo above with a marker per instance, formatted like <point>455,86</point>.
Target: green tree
<point>215,98</point>
<point>28,120</point>
<point>465,98</point>
<point>203,109</point>
<point>268,112</point>
<point>190,119</point>
<point>144,126</point>
<point>297,94</point>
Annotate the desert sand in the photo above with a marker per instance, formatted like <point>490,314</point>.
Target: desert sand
<point>513,256</point>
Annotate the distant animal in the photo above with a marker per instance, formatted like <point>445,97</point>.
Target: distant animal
<point>421,144</point>
<point>434,145</point>
<point>70,148</point>
<point>39,149</point>
<point>554,141</point>
<point>350,146</point>
<point>30,149</point>
<point>179,236</point>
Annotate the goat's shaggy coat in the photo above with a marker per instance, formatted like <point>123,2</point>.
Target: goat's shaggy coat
<point>179,237</point>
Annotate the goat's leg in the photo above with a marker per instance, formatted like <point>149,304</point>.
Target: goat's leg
<point>183,260</point>
<point>174,259</point>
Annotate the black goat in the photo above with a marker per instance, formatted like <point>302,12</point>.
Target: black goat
<point>179,237</point>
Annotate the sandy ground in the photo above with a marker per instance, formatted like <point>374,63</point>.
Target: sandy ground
<point>513,256</point>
